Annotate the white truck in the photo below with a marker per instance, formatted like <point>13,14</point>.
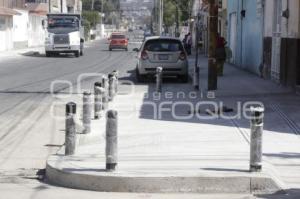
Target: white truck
<point>64,34</point>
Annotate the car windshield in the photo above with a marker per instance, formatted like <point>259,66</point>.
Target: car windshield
<point>163,45</point>
<point>118,36</point>
<point>61,22</point>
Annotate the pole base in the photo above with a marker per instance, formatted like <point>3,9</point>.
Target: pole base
<point>111,166</point>
<point>255,168</point>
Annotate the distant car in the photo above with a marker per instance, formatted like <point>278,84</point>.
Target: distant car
<point>165,52</point>
<point>118,41</point>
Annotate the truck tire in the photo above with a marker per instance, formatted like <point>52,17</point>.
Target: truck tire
<point>48,54</point>
<point>81,48</point>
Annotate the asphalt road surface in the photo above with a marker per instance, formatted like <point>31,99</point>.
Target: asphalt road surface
<point>29,133</point>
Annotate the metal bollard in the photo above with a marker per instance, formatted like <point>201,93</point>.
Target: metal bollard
<point>105,94</point>
<point>256,138</point>
<point>196,78</point>
<point>70,139</point>
<point>159,79</point>
<point>111,86</point>
<point>111,140</point>
<point>98,92</point>
<point>116,74</point>
<point>87,112</point>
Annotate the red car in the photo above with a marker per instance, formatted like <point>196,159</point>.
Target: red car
<point>118,41</point>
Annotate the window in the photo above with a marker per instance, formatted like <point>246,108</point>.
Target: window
<point>163,45</point>
<point>118,37</point>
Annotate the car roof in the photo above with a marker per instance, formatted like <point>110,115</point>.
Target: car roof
<point>117,33</point>
<point>162,37</point>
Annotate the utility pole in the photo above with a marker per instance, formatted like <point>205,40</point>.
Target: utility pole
<point>49,6</point>
<point>61,6</point>
<point>177,21</point>
<point>161,16</point>
<point>92,6</point>
<point>213,31</point>
<point>196,68</point>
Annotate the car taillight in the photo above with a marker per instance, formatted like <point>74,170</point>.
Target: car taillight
<point>182,56</point>
<point>144,55</point>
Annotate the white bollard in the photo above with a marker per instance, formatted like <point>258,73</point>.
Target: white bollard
<point>87,112</point>
<point>98,93</point>
<point>70,139</point>
<point>159,79</point>
<point>111,140</point>
<point>105,96</point>
<point>256,139</point>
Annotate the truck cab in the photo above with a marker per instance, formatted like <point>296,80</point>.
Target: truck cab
<point>64,34</point>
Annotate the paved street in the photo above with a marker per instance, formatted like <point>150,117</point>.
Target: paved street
<point>30,134</point>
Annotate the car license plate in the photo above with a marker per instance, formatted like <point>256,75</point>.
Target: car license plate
<point>163,57</point>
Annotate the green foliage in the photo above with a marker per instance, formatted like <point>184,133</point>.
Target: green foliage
<point>110,8</point>
<point>184,8</point>
<point>92,17</point>
<point>169,13</point>
<point>87,28</point>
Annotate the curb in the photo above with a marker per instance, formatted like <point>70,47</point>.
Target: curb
<point>100,180</point>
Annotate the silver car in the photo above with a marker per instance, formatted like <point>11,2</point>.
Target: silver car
<point>165,52</point>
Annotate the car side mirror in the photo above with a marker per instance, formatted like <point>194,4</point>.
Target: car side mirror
<point>136,50</point>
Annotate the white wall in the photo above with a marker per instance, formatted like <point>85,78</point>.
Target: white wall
<point>20,27</point>
<point>268,18</point>
<point>36,31</point>
<point>293,21</point>
<point>290,26</point>
<point>6,26</point>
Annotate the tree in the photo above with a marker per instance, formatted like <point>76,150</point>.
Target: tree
<point>91,16</point>
<point>109,7</point>
<point>169,10</point>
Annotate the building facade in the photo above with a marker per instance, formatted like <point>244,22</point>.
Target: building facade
<point>21,20</point>
<point>282,41</point>
<point>7,14</point>
<point>245,33</point>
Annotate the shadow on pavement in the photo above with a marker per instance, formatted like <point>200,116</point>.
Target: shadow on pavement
<point>289,194</point>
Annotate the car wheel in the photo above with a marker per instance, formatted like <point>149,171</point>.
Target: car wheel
<point>110,49</point>
<point>77,54</point>
<point>81,53</point>
<point>126,49</point>
<point>48,54</point>
<point>140,78</point>
<point>184,78</point>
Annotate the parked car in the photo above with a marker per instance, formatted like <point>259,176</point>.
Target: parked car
<point>118,41</point>
<point>165,52</point>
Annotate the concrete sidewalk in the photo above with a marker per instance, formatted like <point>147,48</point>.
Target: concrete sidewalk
<point>160,152</point>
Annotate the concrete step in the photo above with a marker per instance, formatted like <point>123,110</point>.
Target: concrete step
<point>146,176</point>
